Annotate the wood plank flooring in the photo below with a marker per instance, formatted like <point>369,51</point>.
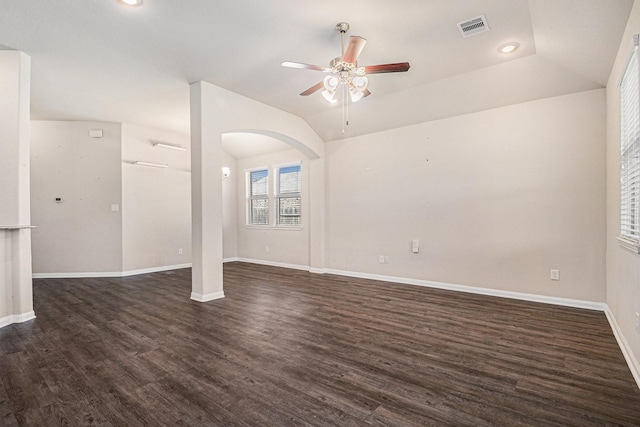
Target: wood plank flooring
<point>287,348</point>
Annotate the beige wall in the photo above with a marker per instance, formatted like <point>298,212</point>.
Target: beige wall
<point>286,246</point>
<point>81,234</point>
<point>496,199</point>
<point>156,203</point>
<point>623,266</point>
<point>230,208</point>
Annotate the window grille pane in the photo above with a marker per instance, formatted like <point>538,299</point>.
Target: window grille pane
<point>289,210</point>
<point>289,180</point>
<point>259,211</point>
<point>259,183</point>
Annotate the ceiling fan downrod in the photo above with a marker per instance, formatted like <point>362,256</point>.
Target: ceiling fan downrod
<point>342,28</point>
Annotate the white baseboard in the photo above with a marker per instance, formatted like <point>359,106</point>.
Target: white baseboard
<point>590,305</point>
<point>274,264</point>
<point>632,362</point>
<point>232,259</point>
<point>17,318</point>
<point>92,274</point>
<point>207,297</point>
<point>155,269</point>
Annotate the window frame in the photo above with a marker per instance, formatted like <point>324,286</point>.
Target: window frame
<point>250,197</point>
<point>278,195</point>
<point>629,87</point>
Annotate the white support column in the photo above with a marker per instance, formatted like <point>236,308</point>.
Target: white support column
<point>206,195</point>
<point>16,289</point>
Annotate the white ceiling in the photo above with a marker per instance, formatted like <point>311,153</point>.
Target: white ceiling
<point>99,60</point>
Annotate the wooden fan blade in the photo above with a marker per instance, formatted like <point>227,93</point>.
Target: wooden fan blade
<point>355,46</point>
<point>312,89</point>
<point>306,66</point>
<point>366,93</point>
<point>398,67</point>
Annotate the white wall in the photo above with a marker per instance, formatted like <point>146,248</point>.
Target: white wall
<point>496,199</point>
<point>81,234</point>
<point>230,208</point>
<point>156,203</point>
<point>286,246</point>
<point>623,266</point>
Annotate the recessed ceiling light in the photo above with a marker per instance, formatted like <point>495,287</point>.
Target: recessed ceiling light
<point>132,2</point>
<point>508,47</point>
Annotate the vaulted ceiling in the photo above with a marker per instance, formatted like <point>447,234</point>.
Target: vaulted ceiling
<point>101,60</point>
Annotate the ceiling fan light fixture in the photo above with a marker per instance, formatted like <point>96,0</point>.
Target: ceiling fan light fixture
<point>360,83</point>
<point>355,94</point>
<point>331,83</point>
<point>329,96</point>
<point>132,2</point>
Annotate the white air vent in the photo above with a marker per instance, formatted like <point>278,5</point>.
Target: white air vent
<point>473,26</point>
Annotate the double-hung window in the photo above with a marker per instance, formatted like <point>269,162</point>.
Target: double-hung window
<point>630,153</point>
<point>274,196</point>
<point>287,186</point>
<point>258,197</point>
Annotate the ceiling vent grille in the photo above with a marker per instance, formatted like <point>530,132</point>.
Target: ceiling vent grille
<point>473,26</point>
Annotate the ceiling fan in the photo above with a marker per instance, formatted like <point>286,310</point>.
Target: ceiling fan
<point>343,72</point>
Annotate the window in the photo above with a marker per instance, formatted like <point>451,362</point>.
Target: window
<point>287,195</point>
<point>284,195</point>
<point>258,197</point>
<point>630,152</point>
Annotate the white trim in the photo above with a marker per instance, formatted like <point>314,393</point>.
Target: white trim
<point>109,273</point>
<point>207,297</point>
<point>317,270</point>
<point>75,275</point>
<point>17,318</point>
<point>589,305</point>
<point>232,259</point>
<point>632,362</point>
<point>274,264</point>
<point>628,244</point>
<point>155,269</point>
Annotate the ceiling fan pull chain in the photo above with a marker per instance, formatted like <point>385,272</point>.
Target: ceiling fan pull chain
<point>346,101</point>
<point>343,112</point>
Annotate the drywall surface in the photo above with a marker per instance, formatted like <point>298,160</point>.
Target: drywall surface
<point>81,233</point>
<point>623,266</point>
<point>496,199</point>
<point>230,208</point>
<point>156,202</point>
<point>273,244</point>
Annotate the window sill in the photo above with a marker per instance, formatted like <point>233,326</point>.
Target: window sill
<point>257,227</point>
<point>275,227</point>
<point>629,245</point>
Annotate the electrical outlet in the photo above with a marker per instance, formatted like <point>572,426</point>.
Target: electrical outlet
<point>555,274</point>
<point>381,259</point>
<point>638,323</point>
<point>180,251</point>
<point>266,249</point>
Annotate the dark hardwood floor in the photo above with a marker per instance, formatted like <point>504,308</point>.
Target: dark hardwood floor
<point>287,347</point>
